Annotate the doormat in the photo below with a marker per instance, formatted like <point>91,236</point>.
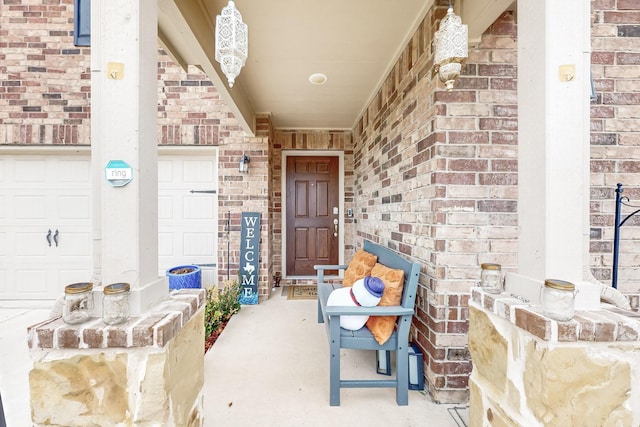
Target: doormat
<point>302,292</point>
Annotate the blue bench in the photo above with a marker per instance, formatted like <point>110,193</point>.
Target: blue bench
<point>363,339</point>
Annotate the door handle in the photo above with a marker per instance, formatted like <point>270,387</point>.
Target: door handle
<point>55,237</point>
<point>335,227</point>
<point>49,237</point>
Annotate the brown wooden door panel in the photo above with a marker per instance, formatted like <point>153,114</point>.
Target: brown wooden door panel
<point>312,193</point>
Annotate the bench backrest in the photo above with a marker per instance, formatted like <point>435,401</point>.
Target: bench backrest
<point>391,259</point>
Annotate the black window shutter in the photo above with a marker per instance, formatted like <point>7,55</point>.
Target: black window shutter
<point>82,23</point>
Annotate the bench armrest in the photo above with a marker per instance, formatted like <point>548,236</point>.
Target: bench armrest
<point>322,267</point>
<point>396,310</point>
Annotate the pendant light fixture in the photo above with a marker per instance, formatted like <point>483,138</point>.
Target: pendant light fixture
<point>232,40</point>
<point>451,48</point>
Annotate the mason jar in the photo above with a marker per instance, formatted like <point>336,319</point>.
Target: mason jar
<point>115,303</point>
<point>491,278</point>
<point>78,303</point>
<point>558,299</point>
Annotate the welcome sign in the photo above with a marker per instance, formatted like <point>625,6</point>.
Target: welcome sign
<point>249,257</point>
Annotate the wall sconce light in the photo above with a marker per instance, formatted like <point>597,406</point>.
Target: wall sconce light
<point>244,164</point>
<point>451,48</point>
<point>232,42</point>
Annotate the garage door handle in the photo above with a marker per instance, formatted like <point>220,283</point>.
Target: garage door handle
<point>49,237</point>
<point>55,237</point>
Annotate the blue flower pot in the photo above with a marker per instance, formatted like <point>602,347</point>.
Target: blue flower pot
<point>185,276</point>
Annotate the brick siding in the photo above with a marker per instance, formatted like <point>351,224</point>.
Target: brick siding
<point>436,172</point>
<point>615,137</point>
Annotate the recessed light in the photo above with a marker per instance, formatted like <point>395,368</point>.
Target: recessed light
<point>317,79</point>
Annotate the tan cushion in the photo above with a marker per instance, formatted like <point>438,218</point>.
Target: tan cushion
<point>359,267</point>
<point>382,326</point>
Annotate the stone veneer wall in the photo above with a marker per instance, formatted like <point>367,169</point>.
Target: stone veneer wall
<point>149,371</point>
<point>529,370</point>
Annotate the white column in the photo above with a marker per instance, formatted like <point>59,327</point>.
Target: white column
<point>553,138</point>
<point>124,127</point>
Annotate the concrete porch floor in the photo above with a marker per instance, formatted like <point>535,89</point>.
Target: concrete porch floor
<point>268,368</point>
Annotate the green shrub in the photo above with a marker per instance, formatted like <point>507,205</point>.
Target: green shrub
<point>222,303</point>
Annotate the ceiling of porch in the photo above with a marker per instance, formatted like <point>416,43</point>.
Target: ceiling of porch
<point>353,42</point>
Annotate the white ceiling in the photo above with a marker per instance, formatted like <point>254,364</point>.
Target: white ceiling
<point>354,42</point>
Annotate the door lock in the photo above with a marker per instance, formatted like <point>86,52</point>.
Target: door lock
<point>335,227</point>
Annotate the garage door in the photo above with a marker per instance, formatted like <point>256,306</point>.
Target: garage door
<point>45,225</point>
<point>45,219</point>
<point>188,213</point>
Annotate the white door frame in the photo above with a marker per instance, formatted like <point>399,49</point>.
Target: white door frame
<point>312,153</point>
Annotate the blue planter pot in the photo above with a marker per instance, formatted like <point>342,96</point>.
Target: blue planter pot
<point>185,276</point>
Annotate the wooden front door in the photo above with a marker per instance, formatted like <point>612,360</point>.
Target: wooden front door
<point>312,207</point>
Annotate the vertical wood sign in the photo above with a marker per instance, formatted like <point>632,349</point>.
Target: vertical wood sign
<point>249,257</point>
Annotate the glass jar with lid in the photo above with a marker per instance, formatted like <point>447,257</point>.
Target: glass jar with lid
<point>491,278</point>
<point>558,299</point>
<point>78,303</point>
<point>115,303</point>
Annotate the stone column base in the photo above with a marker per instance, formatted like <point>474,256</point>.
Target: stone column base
<point>148,371</point>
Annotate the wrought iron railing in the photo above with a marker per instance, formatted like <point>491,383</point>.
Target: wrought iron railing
<point>620,201</point>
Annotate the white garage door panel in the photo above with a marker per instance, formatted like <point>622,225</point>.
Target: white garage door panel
<point>27,274</point>
<point>199,171</point>
<point>30,171</point>
<point>53,192</point>
<point>188,212</point>
<point>165,207</point>
<point>199,208</point>
<point>74,207</point>
<point>31,282</point>
<point>165,244</point>
<point>199,244</point>
<point>74,171</point>
<point>30,207</point>
<point>74,244</point>
<point>31,244</point>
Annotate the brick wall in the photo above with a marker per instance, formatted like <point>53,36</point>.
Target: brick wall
<point>190,110</point>
<point>45,84</point>
<point>245,192</point>
<point>615,137</point>
<point>436,173</point>
<point>44,78</point>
